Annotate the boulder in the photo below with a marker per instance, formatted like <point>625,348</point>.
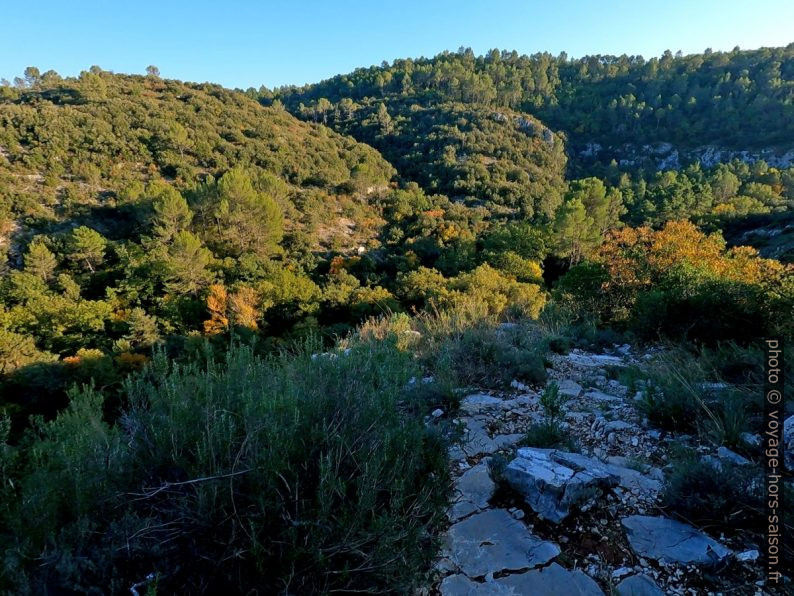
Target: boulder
<point>638,585</point>
<point>672,541</point>
<point>494,542</point>
<point>554,482</point>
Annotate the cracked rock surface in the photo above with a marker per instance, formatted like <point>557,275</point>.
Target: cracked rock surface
<point>563,522</point>
<point>672,541</point>
<point>493,542</point>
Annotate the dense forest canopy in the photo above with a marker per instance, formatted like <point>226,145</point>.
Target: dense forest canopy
<point>740,99</point>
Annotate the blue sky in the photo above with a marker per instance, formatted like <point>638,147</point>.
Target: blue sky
<point>242,43</point>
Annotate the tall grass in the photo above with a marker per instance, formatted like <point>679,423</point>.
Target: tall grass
<point>686,392</point>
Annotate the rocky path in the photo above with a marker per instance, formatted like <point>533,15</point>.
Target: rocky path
<point>573,523</point>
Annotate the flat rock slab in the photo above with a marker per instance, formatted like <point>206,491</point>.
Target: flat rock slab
<point>522,401</point>
<point>669,540</point>
<point>638,585</point>
<point>595,360</point>
<point>570,388</point>
<point>494,541</point>
<point>553,580</point>
<point>473,491</point>
<point>635,481</point>
<point>555,482</point>
<point>476,440</point>
<point>479,402</point>
<point>597,395</point>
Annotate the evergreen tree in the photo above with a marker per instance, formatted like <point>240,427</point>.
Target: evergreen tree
<point>87,247</point>
<point>40,261</point>
<point>185,263</point>
<point>246,220</point>
<point>171,211</point>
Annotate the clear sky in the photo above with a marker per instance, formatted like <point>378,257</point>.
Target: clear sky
<point>242,43</point>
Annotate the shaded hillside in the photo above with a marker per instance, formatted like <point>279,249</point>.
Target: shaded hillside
<point>493,157</point>
<point>736,100</point>
<point>71,145</point>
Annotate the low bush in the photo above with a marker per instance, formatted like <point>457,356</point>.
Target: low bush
<point>549,433</point>
<point>706,494</point>
<point>486,356</point>
<point>684,394</point>
<point>291,474</point>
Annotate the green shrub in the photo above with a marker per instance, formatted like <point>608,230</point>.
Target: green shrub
<point>288,474</point>
<point>549,433</point>
<point>683,394</point>
<point>704,494</point>
<point>559,345</point>
<point>485,356</point>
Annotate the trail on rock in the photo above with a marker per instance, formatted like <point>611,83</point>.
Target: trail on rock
<point>559,522</point>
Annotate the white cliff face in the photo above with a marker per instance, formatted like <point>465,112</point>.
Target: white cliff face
<point>665,156</point>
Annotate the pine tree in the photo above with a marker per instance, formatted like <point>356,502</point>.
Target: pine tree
<point>40,261</point>
<point>171,211</point>
<point>185,262</point>
<point>246,220</point>
<point>87,247</point>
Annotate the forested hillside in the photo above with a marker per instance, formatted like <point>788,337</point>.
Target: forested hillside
<point>236,326</point>
<point>495,158</point>
<point>641,126</point>
<point>739,99</point>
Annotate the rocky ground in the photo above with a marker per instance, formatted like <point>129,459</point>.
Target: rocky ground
<point>578,523</point>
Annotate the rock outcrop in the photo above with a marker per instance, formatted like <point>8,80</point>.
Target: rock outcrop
<point>554,501</point>
<point>553,483</point>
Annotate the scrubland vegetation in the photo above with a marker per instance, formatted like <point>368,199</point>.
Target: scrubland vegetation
<point>224,326</point>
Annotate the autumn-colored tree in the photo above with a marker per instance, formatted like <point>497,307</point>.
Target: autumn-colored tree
<point>243,308</point>
<point>218,307</point>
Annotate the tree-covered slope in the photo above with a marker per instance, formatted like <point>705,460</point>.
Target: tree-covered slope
<point>738,99</point>
<point>495,157</point>
<point>70,145</point>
